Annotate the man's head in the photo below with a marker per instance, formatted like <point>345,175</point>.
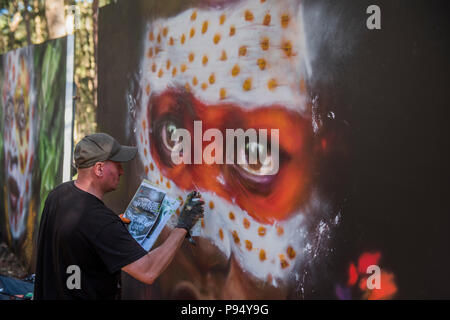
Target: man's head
<point>98,157</point>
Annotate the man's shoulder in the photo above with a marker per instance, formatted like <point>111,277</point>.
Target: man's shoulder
<point>62,188</point>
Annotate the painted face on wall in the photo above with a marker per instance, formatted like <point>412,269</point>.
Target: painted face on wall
<point>244,66</point>
<point>18,100</point>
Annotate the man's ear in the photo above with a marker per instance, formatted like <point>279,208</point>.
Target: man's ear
<point>98,169</point>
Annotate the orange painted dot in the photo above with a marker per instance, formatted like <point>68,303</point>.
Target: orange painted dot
<point>242,50</point>
<point>154,67</point>
<point>151,36</point>
<point>232,31</point>
<point>192,33</point>
<point>222,19</point>
<point>221,234</point>
<point>202,221</point>
<point>284,264</point>
<point>146,170</point>
<point>236,237</point>
<point>145,152</point>
<point>272,84</point>
<point>262,231</point>
<point>168,184</point>
<point>204,86</point>
<point>285,20</point>
<point>160,73</point>
<point>265,44</point>
<point>235,71</point>
<point>212,78</point>
<point>266,20</point>
<point>157,182</point>
<point>150,53</point>
<point>161,177</point>
<point>152,167</point>
<point>246,223</point>
<point>211,205</point>
<point>165,31</point>
<point>171,41</point>
<point>183,38</point>
<point>187,87</point>
<point>177,212</point>
<point>158,39</point>
<point>248,245</point>
<point>248,15</point>
<point>205,27</point>
<point>287,48</point>
<point>174,71</point>
<point>191,57</point>
<point>194,15</point>
<point>223,93</point>
<point>147,89</point>
<point>194,81</point>
<point>216,38</point>
<point>231,215</point>
<point>183,67</point>
<point>291,252</point>
<point>247,85</point>
<point>223,57</point>
<point>205,60</point>
<point>168,64</point>
<point>262,255</point>
<point>280,231</point>
<point>261,63</point>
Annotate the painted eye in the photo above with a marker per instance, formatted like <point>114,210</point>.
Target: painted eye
<point>255,158</point>
<point>9,114</point>
<point>167,131</point>
<point>20,116</point>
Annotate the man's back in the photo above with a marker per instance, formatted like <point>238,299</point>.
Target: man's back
<point>79,235</point>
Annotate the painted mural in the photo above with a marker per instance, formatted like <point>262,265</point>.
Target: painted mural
<point>32,100</point>
<point>296,66</point>
<point>241,66</point>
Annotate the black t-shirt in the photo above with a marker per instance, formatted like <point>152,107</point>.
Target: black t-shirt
<point>77,229</point>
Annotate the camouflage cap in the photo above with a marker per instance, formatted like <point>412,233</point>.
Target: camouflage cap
<point>100,147</point>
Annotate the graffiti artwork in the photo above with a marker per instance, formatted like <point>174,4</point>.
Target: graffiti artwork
<point>269,66</point>
<point>32,86</point>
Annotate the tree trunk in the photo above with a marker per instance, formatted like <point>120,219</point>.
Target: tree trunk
<point>55,14</point>
<point>95,32</point>
<point>26,17</point>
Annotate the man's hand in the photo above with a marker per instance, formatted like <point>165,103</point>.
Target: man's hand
<point>192,211</point>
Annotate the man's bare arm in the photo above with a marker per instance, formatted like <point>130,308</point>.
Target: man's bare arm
<point>150,266</point>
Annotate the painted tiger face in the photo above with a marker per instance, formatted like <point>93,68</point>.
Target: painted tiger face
<point>18,101</point>
<point>244,66</point>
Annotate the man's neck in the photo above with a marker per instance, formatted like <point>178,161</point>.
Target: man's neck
<point>89,187</point>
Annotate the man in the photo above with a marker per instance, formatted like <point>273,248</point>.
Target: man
<point>78,233</point>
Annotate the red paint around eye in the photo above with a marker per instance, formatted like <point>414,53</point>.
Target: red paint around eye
<point>275,199</point>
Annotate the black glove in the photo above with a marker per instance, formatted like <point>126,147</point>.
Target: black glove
<point>192,211</point>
